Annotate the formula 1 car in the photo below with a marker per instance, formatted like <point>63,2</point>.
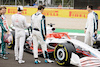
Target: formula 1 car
<point>67,50</point>
<point>72,51</point>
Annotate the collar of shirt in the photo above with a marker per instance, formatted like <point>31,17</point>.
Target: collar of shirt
<point>38,13</point>
<point>91,12</point>
<point>18,13</point>
<point>3,16</point>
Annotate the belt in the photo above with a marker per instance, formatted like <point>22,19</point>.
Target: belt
<point>36,29</point>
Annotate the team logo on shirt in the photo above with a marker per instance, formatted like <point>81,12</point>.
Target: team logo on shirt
<point>16,20</point>
<point>5,24</point>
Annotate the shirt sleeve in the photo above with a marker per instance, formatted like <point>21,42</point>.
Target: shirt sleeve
<point>26,25</point>
<point>95,20</point>
<point>7,26</point>
<point>12,21</point>
<point>5,22</point>
<point>2,26</point>
<point>44,25</point>
<point>86,25</point>
<point>32,23</point>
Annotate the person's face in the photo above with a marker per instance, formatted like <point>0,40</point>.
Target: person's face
<point>3,10</point>
<point>42,10</point>
<point>88,9</point>
<point>0,12</point>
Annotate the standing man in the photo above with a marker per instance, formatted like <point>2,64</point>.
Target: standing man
<point>5,20</point>
<point>2,30</point>
<point>39,34</point>
<point>91,25</point>
<point>19,22</point>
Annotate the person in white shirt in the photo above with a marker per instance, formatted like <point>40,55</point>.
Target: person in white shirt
<point>39,34</point>
<point>19,22</point>
<point>91,25</point>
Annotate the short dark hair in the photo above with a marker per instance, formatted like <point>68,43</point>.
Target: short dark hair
<point>40,7</point>
<point>4,7</point>
<point>90,6</point>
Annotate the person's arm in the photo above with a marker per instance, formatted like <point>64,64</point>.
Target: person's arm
<point>32,23</point>
<point>2,26</point>
<point>86,25</point>
<point>43,30</point>
<point>44,25</point>
<point>5,22</point>
<point>26,25</point>
<point>7,26</point>
<point>12,24</point>
<point>95,20</point>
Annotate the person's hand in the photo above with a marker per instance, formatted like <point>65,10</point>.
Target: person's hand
<point>45,37</point>
<point>8,32</point>
<point>95,32</point>
<point>85,31</point>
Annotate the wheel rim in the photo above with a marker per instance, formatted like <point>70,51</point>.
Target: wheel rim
<point>60,54</point>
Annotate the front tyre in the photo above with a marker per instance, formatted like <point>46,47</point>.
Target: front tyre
<point>62,53</point>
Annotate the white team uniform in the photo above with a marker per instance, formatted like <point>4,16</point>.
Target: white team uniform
<point>38,33</point>
<point>19,22</point>
<point>91,27</point>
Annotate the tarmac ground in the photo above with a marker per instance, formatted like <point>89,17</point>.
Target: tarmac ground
<point>29,61</point>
